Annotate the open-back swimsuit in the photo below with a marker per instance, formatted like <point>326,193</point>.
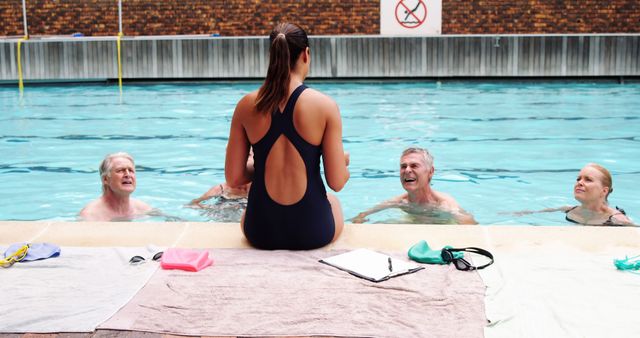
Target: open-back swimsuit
<point>608,222</point>
<point>306,224</point>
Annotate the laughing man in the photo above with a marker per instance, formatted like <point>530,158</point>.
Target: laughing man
<point>421,202</point>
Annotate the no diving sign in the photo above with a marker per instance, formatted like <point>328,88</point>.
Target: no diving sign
<point>410,17</point>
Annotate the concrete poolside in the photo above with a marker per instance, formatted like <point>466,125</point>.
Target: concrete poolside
<point>502,241</point>
<point>376,236</point>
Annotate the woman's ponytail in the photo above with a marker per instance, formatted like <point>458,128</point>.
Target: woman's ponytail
<point>287,42</point>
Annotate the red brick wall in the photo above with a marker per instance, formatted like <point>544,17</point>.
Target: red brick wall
<point>540,16</point>
<point>170,17</point>
<point>319,17</point>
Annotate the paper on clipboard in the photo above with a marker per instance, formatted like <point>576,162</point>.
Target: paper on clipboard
<point>371,265</point>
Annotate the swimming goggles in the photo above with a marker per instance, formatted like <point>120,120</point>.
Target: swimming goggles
<point>461,263</point>
<point>17,256</point>
<point>135,260</point>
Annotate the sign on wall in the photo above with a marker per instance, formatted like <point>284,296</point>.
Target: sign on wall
<point>410,17</point>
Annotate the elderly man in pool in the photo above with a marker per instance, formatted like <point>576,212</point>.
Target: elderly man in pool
<point>118,176</point>
<point>421,203</point>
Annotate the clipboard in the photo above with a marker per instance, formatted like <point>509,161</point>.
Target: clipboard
<point>371,265</point>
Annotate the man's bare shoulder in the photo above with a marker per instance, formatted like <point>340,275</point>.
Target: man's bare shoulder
<point>401,199</point>
<point>140,207</point>
<point>93,211</point>
<point>446,201</point>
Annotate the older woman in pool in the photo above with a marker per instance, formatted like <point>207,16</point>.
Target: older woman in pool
<point>592,189</point>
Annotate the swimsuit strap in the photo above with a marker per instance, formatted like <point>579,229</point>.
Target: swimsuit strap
<point>566,212</point>
<point>610,220</point>
<point>566,217</point>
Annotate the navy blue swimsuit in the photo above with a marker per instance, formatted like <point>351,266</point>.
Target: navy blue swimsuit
<point>306,224</point>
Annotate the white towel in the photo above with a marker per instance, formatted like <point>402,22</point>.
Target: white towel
<point>74,292</point>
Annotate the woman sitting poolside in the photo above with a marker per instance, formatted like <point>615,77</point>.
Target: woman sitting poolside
<point>592,188</point>
<point>289,127</point>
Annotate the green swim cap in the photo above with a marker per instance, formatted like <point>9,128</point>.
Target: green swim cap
<point>422,253</point>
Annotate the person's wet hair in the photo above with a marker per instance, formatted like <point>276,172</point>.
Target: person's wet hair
<point>287,42</point>
<point>606,177</point>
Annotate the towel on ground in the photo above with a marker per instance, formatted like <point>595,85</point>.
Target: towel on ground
<point>264,293</point>
<point>74,292</point>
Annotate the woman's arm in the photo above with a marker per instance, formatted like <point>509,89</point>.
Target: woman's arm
<point>216,190</point>
<point>333,156</point>
<point>235,167</point>
<point>528,212</point>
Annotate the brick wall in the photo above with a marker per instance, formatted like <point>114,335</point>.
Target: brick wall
<point>171,17</point>
<point>540,16</point>
<point>319,17</point>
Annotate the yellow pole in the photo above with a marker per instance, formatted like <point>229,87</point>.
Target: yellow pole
<point>20,82</point>
<point>119,62</point>
<point>118,44</point>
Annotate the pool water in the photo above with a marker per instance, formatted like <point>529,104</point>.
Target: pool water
<point>498,147</point>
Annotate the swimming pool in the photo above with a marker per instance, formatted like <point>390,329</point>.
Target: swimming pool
<point>498,147</point>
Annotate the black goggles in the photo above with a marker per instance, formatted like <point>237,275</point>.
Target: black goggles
<point>461,263</point>
<point>139,259</point>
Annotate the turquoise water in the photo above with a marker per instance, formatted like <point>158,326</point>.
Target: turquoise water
<point>498,147</point>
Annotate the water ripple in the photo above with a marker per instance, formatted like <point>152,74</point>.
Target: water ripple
<point>12,168</point>
<point>488,139</point>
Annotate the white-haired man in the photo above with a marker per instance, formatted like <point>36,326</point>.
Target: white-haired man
<point>421,202</point>
<point>118,176</point>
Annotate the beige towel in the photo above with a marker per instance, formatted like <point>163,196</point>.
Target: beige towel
<point>260,293</point>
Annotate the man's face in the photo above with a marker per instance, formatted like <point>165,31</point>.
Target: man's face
<point>122,177</point>
<point>414,173</point>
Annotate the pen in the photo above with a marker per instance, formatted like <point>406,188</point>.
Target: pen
<point>390,265</point>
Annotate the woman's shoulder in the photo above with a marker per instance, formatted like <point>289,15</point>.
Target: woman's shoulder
<point>618,216</point>
<point>247,103</point>
<point>319,104</point>
<point>317,97</point>
<point>249,98</point>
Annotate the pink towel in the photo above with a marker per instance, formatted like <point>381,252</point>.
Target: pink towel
<point>259,293</point>
<point>185,259</point>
